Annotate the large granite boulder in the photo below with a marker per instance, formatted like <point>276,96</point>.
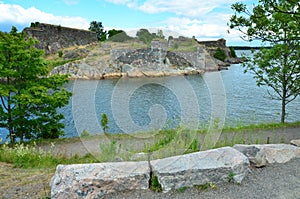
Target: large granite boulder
<point>261,155</point>
<point>295,142</point>
<point>217,166</point>
<point>97,180</point>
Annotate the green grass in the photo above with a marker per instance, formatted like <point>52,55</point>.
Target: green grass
<point>161,144</point>
<point>59,62</point>
<point>261,126</point>
<point>26,156</point>
<point>187,46</point>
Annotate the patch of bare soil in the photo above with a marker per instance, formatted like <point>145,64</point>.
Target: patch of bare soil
<point>24,183</point>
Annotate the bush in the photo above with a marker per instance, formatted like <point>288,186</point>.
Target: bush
<point>84,133</point>
<point>60,53</point>
<point>232,52</point>
<point>220,54</point>
<point>104,122</point>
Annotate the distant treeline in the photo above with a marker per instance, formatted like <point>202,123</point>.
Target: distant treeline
<point>248,47</point>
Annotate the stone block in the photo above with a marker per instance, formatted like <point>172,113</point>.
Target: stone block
<point>97,180</point>
<point>261,155</point>
<point>199,168</point>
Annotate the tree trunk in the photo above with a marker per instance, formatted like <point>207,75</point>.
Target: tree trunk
<point>10,128</point>
<point>283,110</point>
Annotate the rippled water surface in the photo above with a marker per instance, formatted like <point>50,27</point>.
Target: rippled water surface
<point>144,104</point>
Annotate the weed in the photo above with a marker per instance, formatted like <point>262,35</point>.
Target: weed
<point>204,187</point>
<point>60,54</point>
<point>231,177</point>
<point>84,133</point>
<point>182,189</point>
<point>194,146</point>
<point>155,185</point>
<point>108,151</point>
<point>212,185</point>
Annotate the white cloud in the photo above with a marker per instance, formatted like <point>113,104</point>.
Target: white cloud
<point>18,14</point>
<point>201,18</point>
<point>187,8</point>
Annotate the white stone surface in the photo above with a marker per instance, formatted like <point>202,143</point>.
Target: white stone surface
<point>200,168</point>
<point>261,155</point>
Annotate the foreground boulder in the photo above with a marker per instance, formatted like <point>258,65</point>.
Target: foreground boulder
<point>97,180</point>
<point>217,166</point>
<point>261,155</point>
<point>295,142</point>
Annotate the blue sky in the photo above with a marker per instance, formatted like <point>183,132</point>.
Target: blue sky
<point>205,19</point>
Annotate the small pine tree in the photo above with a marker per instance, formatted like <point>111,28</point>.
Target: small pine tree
<point>104,122</point>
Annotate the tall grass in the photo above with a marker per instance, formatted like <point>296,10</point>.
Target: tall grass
<point>161,144</point>
<point>27,156</point>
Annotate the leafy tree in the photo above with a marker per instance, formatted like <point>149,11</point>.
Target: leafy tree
<point>274,23</point>
<point>114,32</point>
<point>160,34</point>
<point>145,36</point>
<point>28,98</point>
<point>118,36</point>
<point>99,30</point>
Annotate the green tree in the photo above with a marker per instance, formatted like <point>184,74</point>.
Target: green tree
<point>118,36</point>
<point>274,23</point>
<point>145,36</point>
<point>114,32</point>
<point>160,34</point>
<point>28,98</point>
<point>98,28</point>
<point>104,122</point>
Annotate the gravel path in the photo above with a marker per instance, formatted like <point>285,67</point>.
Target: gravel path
<point>277,181</point>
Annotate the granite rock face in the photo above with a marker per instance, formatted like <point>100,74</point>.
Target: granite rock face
<point>97,180</point>
<point>200,168</point>
<point>262,155</point>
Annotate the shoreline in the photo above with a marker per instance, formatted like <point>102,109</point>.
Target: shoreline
<point>139,74</point>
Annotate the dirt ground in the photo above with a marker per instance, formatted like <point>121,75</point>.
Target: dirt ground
<point>24,183</point>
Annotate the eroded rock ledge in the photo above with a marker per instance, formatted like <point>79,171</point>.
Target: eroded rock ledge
<point>212,166</point>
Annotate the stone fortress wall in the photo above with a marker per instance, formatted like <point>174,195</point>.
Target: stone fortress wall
<point>53,38</point>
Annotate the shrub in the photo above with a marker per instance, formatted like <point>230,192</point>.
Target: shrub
<point>232,52</point>
<point>84,133</point>
<point>60,53</point>
<point>220,54</point>
<point>104,122</point>
<point>109,151</point>
<point>155,185</point>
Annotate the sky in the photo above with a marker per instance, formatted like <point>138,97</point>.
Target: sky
<point>204,19</point>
